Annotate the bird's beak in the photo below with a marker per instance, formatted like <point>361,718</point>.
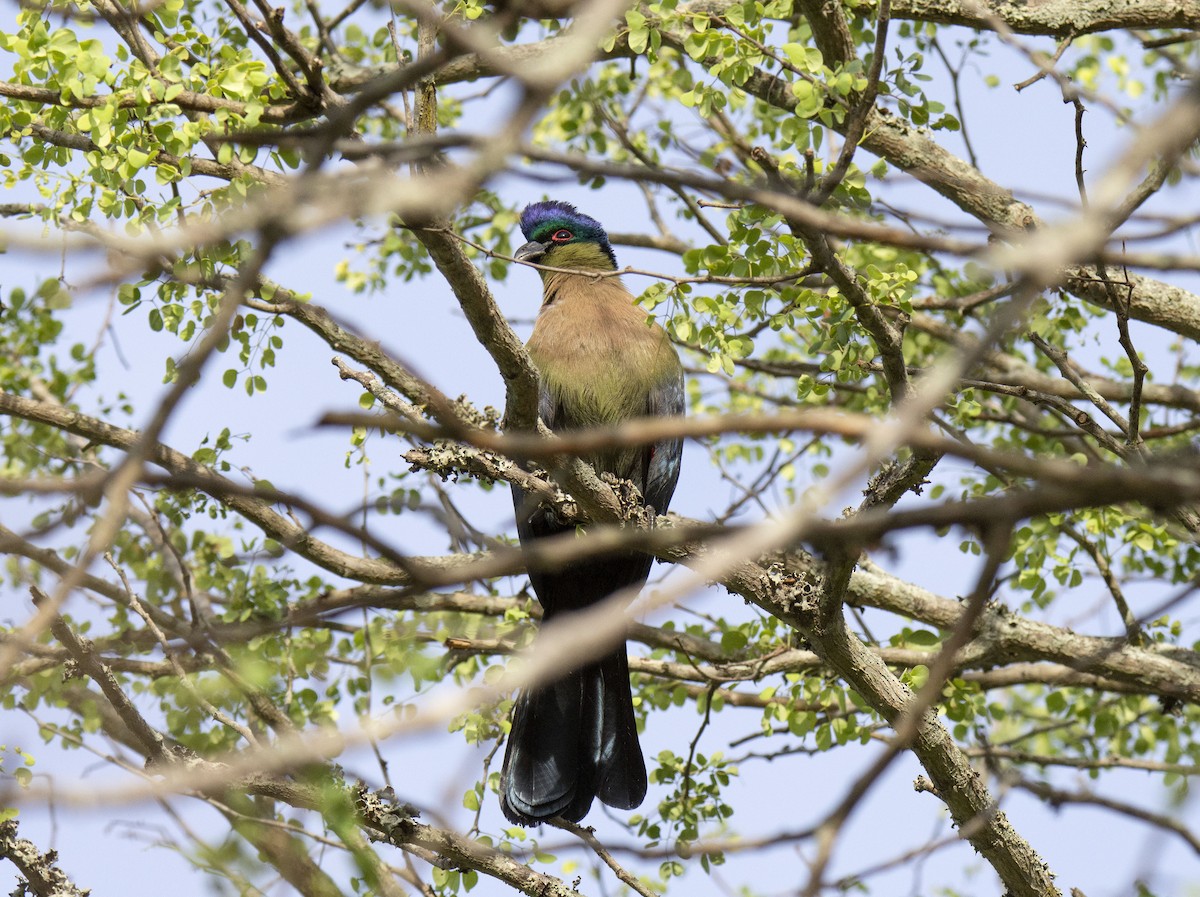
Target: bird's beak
<point>531,251</point>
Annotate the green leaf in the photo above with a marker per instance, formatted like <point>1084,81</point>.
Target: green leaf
<point>922,638</point>
<point>733,641</point>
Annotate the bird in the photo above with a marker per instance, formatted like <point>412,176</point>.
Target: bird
<point>600,361</point>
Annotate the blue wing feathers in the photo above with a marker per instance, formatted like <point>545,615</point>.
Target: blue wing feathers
<point>662,473</point>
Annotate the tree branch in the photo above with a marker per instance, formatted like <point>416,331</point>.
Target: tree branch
<point>40,870</point>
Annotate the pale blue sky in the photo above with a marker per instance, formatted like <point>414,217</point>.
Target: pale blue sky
<point>1025,141</point>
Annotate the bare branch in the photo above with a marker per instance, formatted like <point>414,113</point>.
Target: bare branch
<point>39,870</point>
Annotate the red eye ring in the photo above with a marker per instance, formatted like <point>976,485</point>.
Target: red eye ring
<point>562,236</point>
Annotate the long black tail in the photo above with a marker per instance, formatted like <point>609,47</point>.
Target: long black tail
<point>572,741</point>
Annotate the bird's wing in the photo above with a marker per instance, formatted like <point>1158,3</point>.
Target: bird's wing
<point>548,408</point>
<point>533,518</point>
<point>662,468</point>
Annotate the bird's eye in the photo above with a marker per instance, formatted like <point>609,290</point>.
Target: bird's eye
<point>562,236</point>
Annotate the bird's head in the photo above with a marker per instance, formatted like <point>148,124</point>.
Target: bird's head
<point>562,237</point>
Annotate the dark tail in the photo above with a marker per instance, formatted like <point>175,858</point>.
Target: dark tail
<point>572,741</point>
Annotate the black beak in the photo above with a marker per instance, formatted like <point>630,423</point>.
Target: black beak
<point>531,251</point>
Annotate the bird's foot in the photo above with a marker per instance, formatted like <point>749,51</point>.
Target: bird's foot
<point>633,505</point>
